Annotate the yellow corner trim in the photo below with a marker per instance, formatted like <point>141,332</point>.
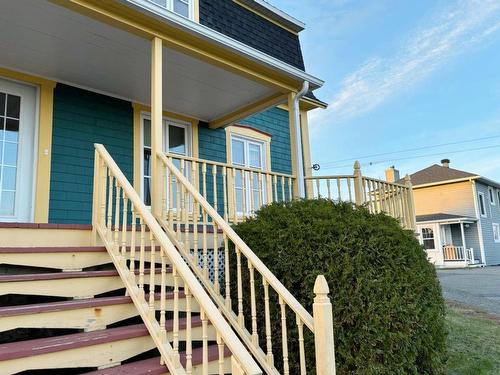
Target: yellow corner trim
<point>44,151</point>
<point>248,132</point>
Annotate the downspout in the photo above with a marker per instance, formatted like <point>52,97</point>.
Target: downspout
<point>298,139</point>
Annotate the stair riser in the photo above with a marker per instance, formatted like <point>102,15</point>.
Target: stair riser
<point>73,288</point>
<point>88,319</point>
<point>73,261</point>
<point>96,355</point>
<point>25,237</point>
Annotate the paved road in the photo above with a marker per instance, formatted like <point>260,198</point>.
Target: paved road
<point>477,287</point>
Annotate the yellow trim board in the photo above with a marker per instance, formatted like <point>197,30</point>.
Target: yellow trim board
<point>44,150</point>
<point>248,132</point>
<point>267,18</point>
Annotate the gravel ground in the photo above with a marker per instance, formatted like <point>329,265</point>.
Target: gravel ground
<point>476,287</point>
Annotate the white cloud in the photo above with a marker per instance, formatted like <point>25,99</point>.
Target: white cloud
<point>449,33</point>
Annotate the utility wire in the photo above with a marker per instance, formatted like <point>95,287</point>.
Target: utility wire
<point>416,157</point>
<point>332,163</point>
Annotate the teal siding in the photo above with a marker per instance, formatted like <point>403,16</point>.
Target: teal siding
<point>82,118</point>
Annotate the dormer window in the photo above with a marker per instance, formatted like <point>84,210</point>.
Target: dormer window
<point>181,7</point>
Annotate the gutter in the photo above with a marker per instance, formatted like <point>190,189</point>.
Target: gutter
<point>298,139</point>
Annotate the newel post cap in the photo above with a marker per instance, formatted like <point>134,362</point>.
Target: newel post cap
<point>357,165</point>
<point>321,286</point>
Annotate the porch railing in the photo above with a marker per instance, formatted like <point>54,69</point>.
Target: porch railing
<point>234,283</point>
<point>458,253</point>
<point>235,191</point>
<point>377,195</point>
<point>126,227</point>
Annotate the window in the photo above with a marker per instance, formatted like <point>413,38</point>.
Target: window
<point>482,205</point>
<point>498,197</point>
<point>428,238</point>
<point>496,232</point>
<point>491,195</point>
<point>178,138</point>
<point>249,191</point>
<point>182,7</point>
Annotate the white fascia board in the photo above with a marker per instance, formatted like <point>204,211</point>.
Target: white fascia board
<point>276,14</point>
<point>222,40</point>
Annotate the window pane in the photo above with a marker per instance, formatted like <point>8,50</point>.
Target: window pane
<point>147,191</point>
<point>255,155</point>
<point>147,133</point>
<point>177,140</point>
<point>2,122</point>
<point>11,130</point>
<point>147,162</point>
<point>162,3</point>
<point>9,178</point>
<point>238,179</point>
<point>2,104</point>
<point>181,7</point>
<point>429,244</point>
<point>238,151</point>
<point>7,203</point>
<point>10,154</point>
<point>239,200</point>
<point>13,106</point>
<point>481,204</point>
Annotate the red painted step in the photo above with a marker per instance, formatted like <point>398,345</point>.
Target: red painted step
<point>30,348</point>
<point>152,366</point>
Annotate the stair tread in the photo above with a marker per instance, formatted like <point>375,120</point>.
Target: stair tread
<point>67,275</point>
<point>29,348</point>
<point>152,366</point>
<point>71,305</point>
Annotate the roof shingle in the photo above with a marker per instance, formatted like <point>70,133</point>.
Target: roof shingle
<point>437,173</point>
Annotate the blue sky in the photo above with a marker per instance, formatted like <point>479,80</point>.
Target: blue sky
<point>400,75</point>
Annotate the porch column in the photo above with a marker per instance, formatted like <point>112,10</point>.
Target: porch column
<point>297,156</point>
<point>156,122</point>
<point>462,230</point>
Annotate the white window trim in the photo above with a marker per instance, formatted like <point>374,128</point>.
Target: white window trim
<point>481,195</point>
<point>496,225</point>
<point>170,7</point>
<point>169,121</point>
<point>491,196</point>
<point>498,197</point>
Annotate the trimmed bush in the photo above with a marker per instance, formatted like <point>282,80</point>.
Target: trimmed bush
<point>387,304</point>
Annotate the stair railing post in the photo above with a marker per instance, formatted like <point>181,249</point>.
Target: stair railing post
<point>359,194</point>
<point>411,204</point>
<point>323,328</point>
<point>96,204</point>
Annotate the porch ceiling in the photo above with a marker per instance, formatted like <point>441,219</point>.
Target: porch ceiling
<point>44,39</point>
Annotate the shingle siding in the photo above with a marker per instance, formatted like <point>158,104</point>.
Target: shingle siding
<point>82,118</point>
<point>491,248</point>
<point>237,22</point>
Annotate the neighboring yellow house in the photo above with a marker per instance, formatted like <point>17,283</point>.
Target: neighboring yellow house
<point>458,216</point>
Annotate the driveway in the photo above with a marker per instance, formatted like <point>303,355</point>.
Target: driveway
<point>477,287</point>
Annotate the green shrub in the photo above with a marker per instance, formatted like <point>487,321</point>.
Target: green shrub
<point>387,304</point>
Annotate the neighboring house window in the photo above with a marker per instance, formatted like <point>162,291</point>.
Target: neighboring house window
<point>176,135</point>
<point>482,205</point>
<point>428,238</point>
<point>496,232</point>
<point>498,197</point>
<point>491,194</point>
<point>182,7</point>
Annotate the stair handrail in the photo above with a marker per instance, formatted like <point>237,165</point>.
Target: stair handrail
<point>321,328</point>
<point>242,361</point>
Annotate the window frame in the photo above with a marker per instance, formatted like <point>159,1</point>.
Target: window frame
<point>166,122</point>
<point>497,237</point>
<point>491,196</point>
<point>433,238</point>
<point>482,204</point>
<point>169,6</point>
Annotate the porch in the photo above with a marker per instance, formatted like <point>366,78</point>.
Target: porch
<point>451,241</point>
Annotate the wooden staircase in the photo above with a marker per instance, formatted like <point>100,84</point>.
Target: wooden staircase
<point>47,292</point>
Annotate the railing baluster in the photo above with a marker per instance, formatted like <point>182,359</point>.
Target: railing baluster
<point>235,206</point>
<point>214,183</point>
<point>124,228</point>
<point>205,246</point>
<point>349,191</point>
<point>175,346</point>
<point>216,257</point>
<point>302,352</point>
<point>290,196</point>
<point>185,210</point>
<point>261,191</point>
<point>283,189</point>
<point>227,274</point>
<point>170,201</point>
<point>117,218</point>
<point>141,256</point>
<point>339,188</point>
<point>204,179</point>
<point>241,317</point>
<point>220,347</point>
<point>189,343</point>
<point>224,188</point>
<point>110,206</point>
<point>204,325</point>
<point>267,315</point>
<point>251,209</point>
<point>318,189</point>
<point>244,190</point>
<point>152,282</point>
<point>284,336</point>
<point>253,305</point>
<point>163,194</point>
<point>132,243</point>
<point>178,209</point>
<point>275,188</point>
<point>195,233</point>
<point>163,295</point>
<point>328,188</point>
